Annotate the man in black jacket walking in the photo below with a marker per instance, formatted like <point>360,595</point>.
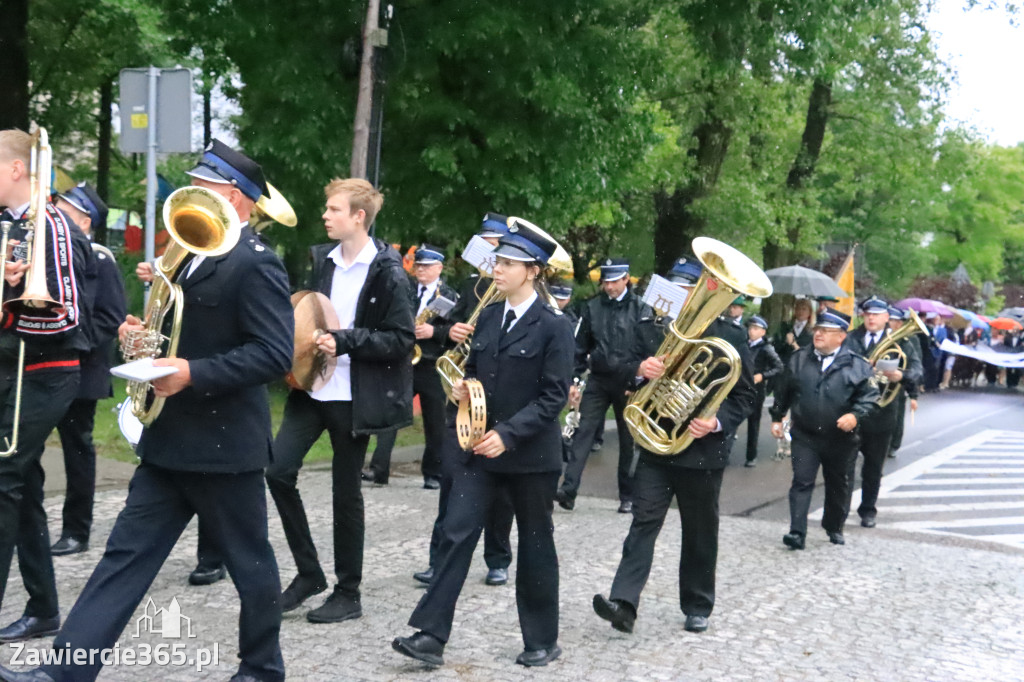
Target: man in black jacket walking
<point>369,392</point>
<point>693,477</point>
<point>603,343</point>
<point>831,390</point>
<point>766,365</point>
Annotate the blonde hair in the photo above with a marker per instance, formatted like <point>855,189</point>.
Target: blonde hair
<point>812,319</point>
<point>15,145</point>
<point>361,195</point>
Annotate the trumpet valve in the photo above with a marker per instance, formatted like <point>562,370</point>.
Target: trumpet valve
<point>142,343</point>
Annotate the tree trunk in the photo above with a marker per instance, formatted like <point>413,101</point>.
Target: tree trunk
<point>675,225</point>
<point>103,153</point>
<point>364,102</point>
<point>14,74</point>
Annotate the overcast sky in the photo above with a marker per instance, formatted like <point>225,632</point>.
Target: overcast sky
<point>986,53</point>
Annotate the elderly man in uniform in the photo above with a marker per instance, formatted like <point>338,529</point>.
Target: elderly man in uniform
<point>831,390</point>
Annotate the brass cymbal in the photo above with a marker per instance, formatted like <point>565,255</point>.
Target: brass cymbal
<point>311,369</point>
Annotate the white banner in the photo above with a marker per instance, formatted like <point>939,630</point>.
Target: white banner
<point>985,354</point>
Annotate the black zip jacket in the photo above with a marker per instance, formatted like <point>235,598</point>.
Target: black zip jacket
<point>380,341</point>
<point>607,334</point>
<point>766,363</point>
<point>433,347</point>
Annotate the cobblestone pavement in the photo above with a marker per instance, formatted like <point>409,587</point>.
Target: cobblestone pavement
<point>887,606</point>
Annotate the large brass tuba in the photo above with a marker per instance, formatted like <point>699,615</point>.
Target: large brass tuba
<point>699,373</point>
<point>889,349</point>
<point>199,222</point>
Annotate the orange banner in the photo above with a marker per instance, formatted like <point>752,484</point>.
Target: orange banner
<point>845,279</point>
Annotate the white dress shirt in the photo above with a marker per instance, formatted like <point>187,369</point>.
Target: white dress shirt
<point>346,287</point>
<point>798,327</point>
<point>427,295</point>
<point>520,310</point>
<point>826,360</point>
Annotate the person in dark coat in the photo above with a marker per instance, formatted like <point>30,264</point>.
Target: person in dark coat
<point>522,354</point>
<point>693,477</point>
<point>876,433</point>
<point>797,333</point>
<point>109,308</point>
<point>497,545</point>
<point>767,366</point>
<point>369,392</point>
<point>53,342</point>
<point>830,390</point>
<point>605,338</point>
<point>205,453</point>
<point>911,389</point>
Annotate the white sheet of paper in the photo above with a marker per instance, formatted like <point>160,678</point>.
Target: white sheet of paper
<point>665,297</point>
<point>441,305</point>
<point>478,254</point>
<point>141,370</point>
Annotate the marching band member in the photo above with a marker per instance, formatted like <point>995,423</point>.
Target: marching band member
<point>54,341</point>
<point>876,433</point>
<point>797,333</point>
<point>109,308</point>
<point>522,354</point>
<point>204,454</point>
<point>693,477</point>
<point>766,366</point>
<point>369,392</point>
<point>497,546</point>
<point>911,389</point>
<point>831,391</point>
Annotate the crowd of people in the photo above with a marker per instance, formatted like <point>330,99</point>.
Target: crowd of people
<point>211,452</point>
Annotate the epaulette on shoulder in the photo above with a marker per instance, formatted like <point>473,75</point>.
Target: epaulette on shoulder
<point>554,310</point>
<point>102,251</point>
<point>255,244</point>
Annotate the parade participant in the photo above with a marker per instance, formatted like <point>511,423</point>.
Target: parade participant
<point>430,337</point>
<point>830,390</point>
<point>205,452</point>
<point>826,303</point>
<point>734,313</point>
<point>109,308</point>
<point>497,546</point>
<point>53,341</point>
<point>693,477</point>
<point>369,392</point>
<point>561,291</point>
<point>603,342</point>
<point>766,366</point>
<point>876,433</point>
<point>911,389</point>
<point>797,333</point>
<point>522,354</point>
<point>931,356</point>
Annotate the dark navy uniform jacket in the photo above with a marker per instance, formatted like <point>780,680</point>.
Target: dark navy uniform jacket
<point>433,347</point>
<point>526,375</point>
<point>237,333</point>
<point>107,296</point>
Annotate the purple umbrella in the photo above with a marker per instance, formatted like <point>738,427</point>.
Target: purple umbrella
<point>926,305</point>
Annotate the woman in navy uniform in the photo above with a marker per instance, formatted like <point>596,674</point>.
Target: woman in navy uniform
<point>522,353</point>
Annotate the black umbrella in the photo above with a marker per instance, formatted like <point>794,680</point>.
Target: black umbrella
<point>796,279</point>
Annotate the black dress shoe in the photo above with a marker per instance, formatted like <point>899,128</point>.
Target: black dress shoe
<point>793,540</point>
<point>338,607</point>
<point>596,446</point>
<point>836,538</point>
<point>35,675</point>
<point>867,522</point>
<point>564,501</point>
<point>696,623</point>
<point>431,483</point>
<point>421,646</point>
<point>533,659</point>
<point>68,545</point>
<point>301,588</point>
<point>626,507</point>
<point>497,576</point>
<point>207,575</point>
<point>750,463</point>
<point>425,577</point>
<point>617,612</point>
<point>373,476</point>
<point>28,627</point>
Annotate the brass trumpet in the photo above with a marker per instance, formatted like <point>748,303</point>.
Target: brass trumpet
<point>889,349</point>
<point>699,373</point>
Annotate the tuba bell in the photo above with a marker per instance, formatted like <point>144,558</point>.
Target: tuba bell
<point>889,349</point>
<point>699,373</point>
<point>199,222</point>
<point>272,208</point>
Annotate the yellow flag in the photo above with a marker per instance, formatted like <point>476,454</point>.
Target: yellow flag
<point>845,281</point>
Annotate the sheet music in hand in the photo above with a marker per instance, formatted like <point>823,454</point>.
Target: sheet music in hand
<point>665,297</point>
<point>441,305</point>
<point>478,254</point>
<point>141,370</point>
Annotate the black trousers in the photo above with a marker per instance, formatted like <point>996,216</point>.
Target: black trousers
<point>597,397</point>
<point>874,446</point>
<point>833,457</point>
<point>75,431</point>
<point>901,418</point>
<point>305,419</point>
<point>45,398</point>
<point>754,425</point>
<point>497,545</point>
<point>427,385</point>
<point>160,505</point>
<point>473,490</point>
<point>696,491</point>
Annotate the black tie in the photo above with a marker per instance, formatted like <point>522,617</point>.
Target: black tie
<point>510,317</point>
<point>872,341</point>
